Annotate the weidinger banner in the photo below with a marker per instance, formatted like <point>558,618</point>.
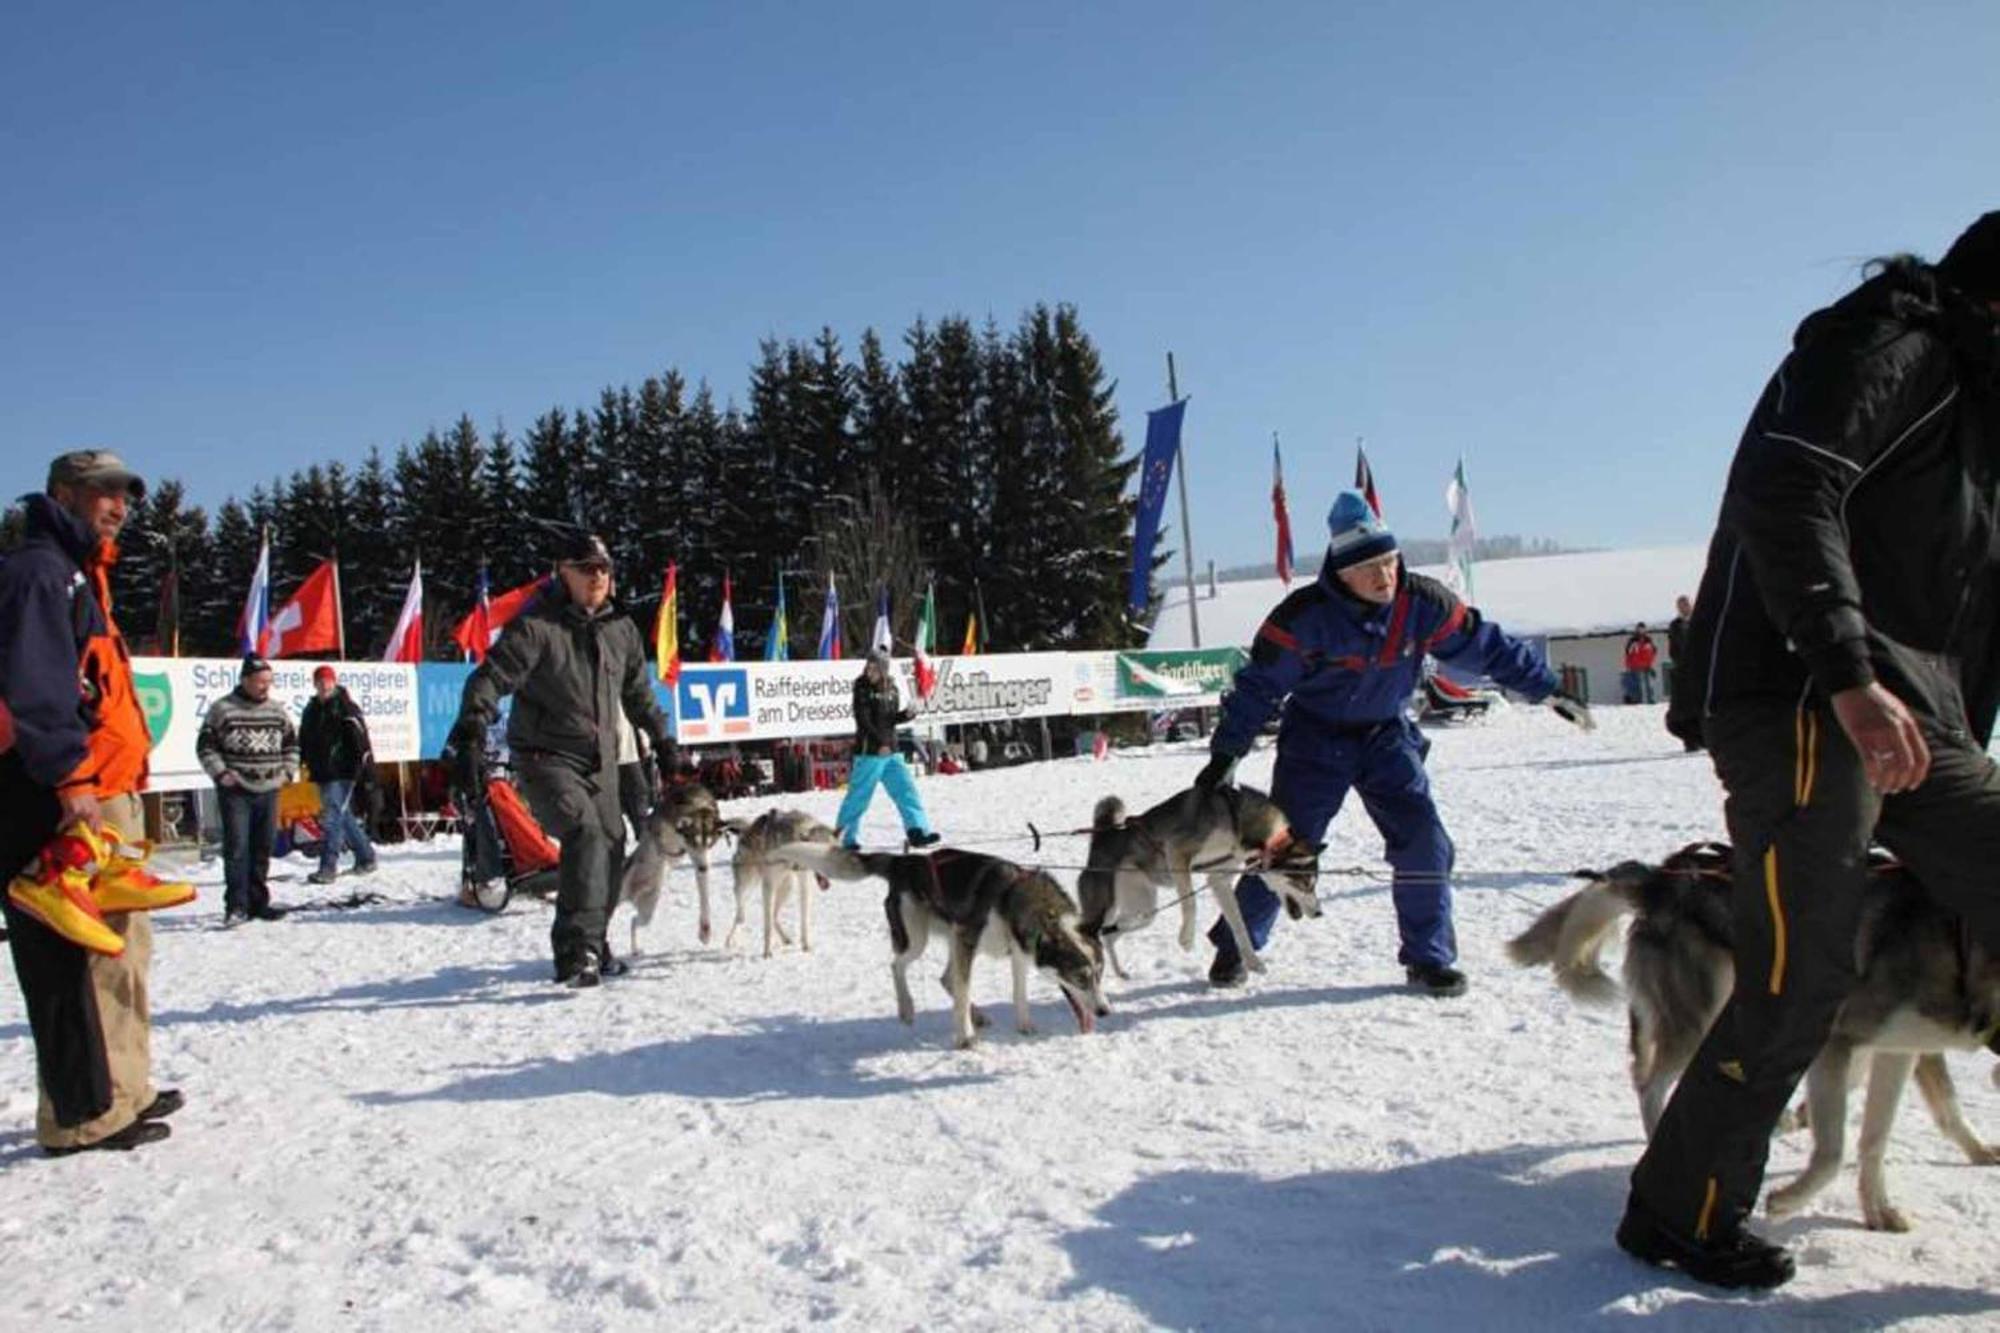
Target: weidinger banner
<point>176,693</point>
<point>717,702</point>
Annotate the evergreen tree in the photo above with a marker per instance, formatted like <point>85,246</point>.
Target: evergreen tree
<point>510,561</point>
<point>881,426</point>
<point>373,565</point>
<point>214,608</point>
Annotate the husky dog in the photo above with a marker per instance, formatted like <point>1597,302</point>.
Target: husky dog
<point>988,906</point>
<point>1223,833</point>
<point>761,859</point>
<point>687,823</point>
<point>1925,987</point>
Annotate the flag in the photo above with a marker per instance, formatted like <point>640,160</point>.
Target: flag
<point>310,621</point>
<point>1464,533</point>
<point>1364,479</point>
<point>927,676</point>
<point>882,641</point>
<point>406,644</point>
<point>722,648</point>
<point>829,624</point>
<point>667,630</point>
<point>777,645</point>
<point>480,629</point>
<point>1279,512</point>
<point>256,616</point>
<point>1156,469</point>
<point>168,627</point>
<point>971,644</point>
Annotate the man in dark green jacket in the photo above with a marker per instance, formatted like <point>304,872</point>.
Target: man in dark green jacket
<point>572,662</point>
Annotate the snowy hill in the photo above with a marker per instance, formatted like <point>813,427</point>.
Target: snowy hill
<point>395,1121</point>
<point>1587,592</point>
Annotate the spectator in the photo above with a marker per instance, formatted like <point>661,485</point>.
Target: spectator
<point>1683,721</point>
<point>877,710</point>
<point>1640,655</point>
<point>248,745</point>
<point>338,756</point>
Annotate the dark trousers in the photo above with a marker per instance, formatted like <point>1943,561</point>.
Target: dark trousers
<point>1315,770</point>
<point>580,810</point>
<point>635,793</point>
<point>1800,816</point>
<point>249,824</point>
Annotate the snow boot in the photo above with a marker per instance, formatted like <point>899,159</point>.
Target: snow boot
<point>1736,1260</point>
<point>164,1103</point>
<point>1227,971</point>
<point>1435,979</point>
<point>928,838</point>
<point>55,890</point>
<point>125,885</point>
<point>581,974</point>
<point>134,1135</point>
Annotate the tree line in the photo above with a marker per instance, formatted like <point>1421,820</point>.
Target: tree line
<point>986,461</point>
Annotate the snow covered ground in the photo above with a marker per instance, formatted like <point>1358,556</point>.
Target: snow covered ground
<point>395,1120</point>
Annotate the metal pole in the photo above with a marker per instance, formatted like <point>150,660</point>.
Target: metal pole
<point>1187,533</point>
<point>339,611</point>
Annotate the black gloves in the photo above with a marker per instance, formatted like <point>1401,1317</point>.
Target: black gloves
<point>465,752</point>
<point>1216,772</point>
<point>1572,710</point>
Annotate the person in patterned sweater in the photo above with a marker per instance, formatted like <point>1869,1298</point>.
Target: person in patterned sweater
<point>250,747</point>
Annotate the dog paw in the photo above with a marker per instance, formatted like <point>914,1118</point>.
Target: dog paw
<point>1783,1203</point>
<point>1886,1217</point>
<point>979,1018</point>
<point>1254,963</point>
<point>966,1042</point>
<point>1988,1154</point>
<point>1187,941</point>
<point>705,933</point>
<point>1027,1029</point>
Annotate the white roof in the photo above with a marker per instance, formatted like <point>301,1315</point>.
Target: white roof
<point>1589,592</point>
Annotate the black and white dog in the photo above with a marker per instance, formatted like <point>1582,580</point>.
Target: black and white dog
<point>1925,987</point>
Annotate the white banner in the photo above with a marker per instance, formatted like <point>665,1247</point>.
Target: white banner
<point>176,693</point>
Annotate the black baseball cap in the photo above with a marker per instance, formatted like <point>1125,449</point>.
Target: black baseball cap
<point>584,548</point>
<point>252,665</point>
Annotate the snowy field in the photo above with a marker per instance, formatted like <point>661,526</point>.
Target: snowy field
<point>395,1121</point>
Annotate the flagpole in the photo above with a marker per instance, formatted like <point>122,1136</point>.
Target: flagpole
<point>339,612</point>
<point>1187,533</point>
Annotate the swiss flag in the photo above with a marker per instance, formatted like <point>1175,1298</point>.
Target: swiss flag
<point>310,621</point>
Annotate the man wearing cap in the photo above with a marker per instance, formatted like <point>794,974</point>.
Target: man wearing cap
<point>1343,656</point>
<point>249,746</point>
<point>572,663</point>
<point>73,748</point>
<point>1842,655</point>
<point>877,711</point>
<point>333,742</point>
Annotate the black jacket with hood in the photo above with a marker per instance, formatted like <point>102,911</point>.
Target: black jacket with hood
<point>1859,538</point>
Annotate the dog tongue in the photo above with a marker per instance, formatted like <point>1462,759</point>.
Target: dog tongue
<point>1086,1021</point>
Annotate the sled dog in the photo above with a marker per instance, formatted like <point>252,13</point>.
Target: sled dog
<point>687,823</point>
<point>1222,833</point>
<point>1925,987</point>
<point>761,861</point>
<point>984,905</point>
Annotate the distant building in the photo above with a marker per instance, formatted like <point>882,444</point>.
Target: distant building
<point>1579,608</point>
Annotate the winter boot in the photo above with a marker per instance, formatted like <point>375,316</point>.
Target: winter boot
<point>928,838</point>
<point>1739,1259</point>
<point>581,974</point>
<point>1435,979</point>
<point>1228,970</point>
<point>165,1102</point>
<point>55,890</point>
<point>125,885</point>
<point>134,1135</point>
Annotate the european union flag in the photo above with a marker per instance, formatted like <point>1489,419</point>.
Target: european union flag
<point>1156,469</point>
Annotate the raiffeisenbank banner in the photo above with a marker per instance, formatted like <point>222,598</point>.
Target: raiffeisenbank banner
<point>176,693</point>
<point>718,702</point>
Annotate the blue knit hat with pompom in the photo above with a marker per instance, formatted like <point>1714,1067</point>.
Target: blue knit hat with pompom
<point>1354,533</point>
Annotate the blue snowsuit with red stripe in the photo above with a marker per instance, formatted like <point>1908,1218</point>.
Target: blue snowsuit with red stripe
<point>1344,670</point>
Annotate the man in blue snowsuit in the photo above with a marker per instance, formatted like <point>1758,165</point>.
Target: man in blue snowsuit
<point>1343,656</point>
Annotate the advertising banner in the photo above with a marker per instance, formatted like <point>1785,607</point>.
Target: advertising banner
<point>718,702</point>
<point>1139,682</point>
<point>176,693</point>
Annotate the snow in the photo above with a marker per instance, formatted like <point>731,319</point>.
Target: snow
<point>1586,592</point>
<point>396,1121</point>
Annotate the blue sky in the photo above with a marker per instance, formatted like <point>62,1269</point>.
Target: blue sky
<point>1567,240</point>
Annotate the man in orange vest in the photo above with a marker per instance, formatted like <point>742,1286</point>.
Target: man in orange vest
<point>73,755</point>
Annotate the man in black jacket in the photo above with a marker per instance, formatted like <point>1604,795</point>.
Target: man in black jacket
<point>339,758</point>
<point>573,663</point>
<point>1842,656</point>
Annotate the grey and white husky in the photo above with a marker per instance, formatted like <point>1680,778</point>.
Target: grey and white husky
<point>686,822</point>
<point>1222,833</point>
<point>763,861</point>
<point>985,905</point>
<point>1925,987</point>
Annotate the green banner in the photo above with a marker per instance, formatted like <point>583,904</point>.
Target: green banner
<point>1171,678</point>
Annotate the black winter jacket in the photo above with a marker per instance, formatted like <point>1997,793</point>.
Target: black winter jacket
<point>333,738</point>
<point>1858,539</point>
<point>877,711</point>
<point>570,672</point>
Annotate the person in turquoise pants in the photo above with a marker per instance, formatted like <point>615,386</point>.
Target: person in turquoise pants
<point>877,711</point>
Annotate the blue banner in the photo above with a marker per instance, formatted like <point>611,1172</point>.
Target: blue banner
<point>1156,469</point>
<point>440,686</point>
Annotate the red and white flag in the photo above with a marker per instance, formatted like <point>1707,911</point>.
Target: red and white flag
<point>310,621</point>
<point>407,643</point>
<point>480,629</point>
<point>927,676</point>
<point>254,622</point>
